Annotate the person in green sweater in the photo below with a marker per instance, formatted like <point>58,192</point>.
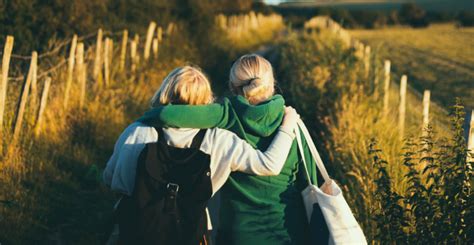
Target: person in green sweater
<point>256,210</point>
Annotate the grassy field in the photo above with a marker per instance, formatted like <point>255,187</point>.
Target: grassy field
<point>439,58</point>
<point>50,185</point>
<point>401,187</point>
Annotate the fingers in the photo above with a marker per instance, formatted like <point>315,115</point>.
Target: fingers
<point>326,188</point>
<point>290,110</point>
<point>291,117</point>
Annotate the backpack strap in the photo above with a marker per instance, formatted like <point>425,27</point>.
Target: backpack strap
<point>161,134</point>
<point>198,139</point>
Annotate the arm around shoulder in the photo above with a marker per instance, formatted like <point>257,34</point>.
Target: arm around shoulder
<point>238,155</point>
<point>178,116</point>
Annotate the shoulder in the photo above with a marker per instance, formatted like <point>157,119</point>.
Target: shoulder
<point>217,138</point>
<point>139,126</point>
<point>138,131</point>
<point>219,134</point>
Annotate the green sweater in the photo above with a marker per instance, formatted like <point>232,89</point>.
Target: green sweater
<point>254,209</point>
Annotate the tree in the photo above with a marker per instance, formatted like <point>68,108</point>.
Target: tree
<point>34,23</point>
<point>466,18</point>
<point>413,15</point>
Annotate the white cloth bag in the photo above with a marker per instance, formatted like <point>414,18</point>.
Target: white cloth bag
<point>342,225</point>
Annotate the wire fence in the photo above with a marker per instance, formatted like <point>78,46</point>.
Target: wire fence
<point>69,60</point>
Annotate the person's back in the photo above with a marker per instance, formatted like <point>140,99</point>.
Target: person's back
<point>253,210</point>
<point>166,195</point>
<point>168,204</point>
<point>261,209</point>
<point>175,178</point>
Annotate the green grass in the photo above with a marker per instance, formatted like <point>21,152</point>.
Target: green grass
<point>439,58</point>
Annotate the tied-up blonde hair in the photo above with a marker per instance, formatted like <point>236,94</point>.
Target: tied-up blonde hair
<point>252,77</point>
<point>184,85</point>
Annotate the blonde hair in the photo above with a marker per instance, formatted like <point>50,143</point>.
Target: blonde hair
<point>252,77</point>
<point>184,85</point>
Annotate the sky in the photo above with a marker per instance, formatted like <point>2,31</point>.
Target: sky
<point>272,1</point>
<point>434,5</point>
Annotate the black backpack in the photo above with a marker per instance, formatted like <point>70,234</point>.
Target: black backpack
<point>172,188</point>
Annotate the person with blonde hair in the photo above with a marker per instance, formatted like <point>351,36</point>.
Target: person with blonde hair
<point>252,77</point>
<point>167,175</point>
<point>254,209</point>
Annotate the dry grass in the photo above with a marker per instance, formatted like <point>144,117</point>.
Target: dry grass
<point>50,185</point>
<point>325,80</point>
<point>247,31</point>
<point>439,58</point>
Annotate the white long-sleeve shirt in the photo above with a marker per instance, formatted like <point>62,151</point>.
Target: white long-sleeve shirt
<point>227,152</point>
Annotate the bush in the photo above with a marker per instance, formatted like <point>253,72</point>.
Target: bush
<point>466,18</point>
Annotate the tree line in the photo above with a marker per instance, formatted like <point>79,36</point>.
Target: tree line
<point>408,14</point>
<point>38,24</point>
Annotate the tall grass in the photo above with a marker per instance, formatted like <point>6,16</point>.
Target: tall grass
<point>50,184</point>
<point>398,189</point>
<point>50,187</point>
<point>246,31</point>
<point>438,58</point>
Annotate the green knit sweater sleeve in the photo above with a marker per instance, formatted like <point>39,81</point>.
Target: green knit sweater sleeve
<point>191,116</point>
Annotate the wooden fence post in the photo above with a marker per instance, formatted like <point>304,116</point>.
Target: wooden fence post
<point>155,47</point>
<point>149,39</point>
<point>81,73</point>
<point>34,82</point>
<point>470,140</point>
<point>133,55</point>
<point>123,51</point>
<point>111,49</point>
<point>43,102</point>
<point>136,38</point>
<point>367,61</point>
<point>170,28</point>
<point>23,99</point>
<point>98,55</point>
<point>7,51</point>
<point>386,95</point>
<point>402,109</point>
<point>426,108</point>
<point>376,82</point>
<point>70,70</point>
<point>106,62</point>
<point>360,50</point>
<point>159,34</point>
<point>111,58</point>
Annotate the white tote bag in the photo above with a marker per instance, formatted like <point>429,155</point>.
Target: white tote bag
<point>342,225</point>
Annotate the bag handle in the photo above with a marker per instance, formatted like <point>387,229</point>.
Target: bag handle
<point>300,147</point>
<point>314,151</point>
